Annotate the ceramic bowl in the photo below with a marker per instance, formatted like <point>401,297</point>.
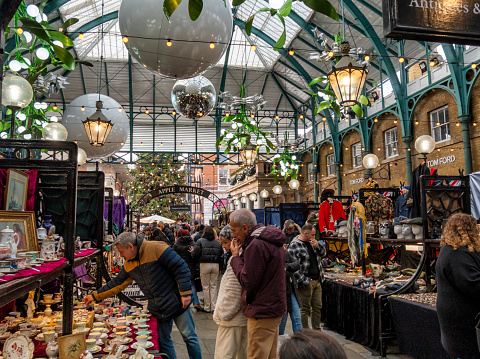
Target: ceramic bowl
<point>91,343</point>
<point>100,318</point>
<point>142,327</point>
<point>142,340</point>
<point>95,335</point>
<point>47,297</point>
<point>98,325</point>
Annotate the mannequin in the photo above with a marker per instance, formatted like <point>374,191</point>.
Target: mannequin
<point>342,231</point>
<point>398,231</point>
<point>384,229</point>
<point>407,231</point>
<point>418,232</point>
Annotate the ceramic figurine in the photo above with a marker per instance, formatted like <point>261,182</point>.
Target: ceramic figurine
<point>384,229</point>
<point>41,233</point>
<point>30,304</point>
<point>52,350</point>
<point>7,235</point>
<point>13,245</point>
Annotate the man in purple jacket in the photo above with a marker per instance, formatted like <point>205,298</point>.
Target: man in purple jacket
<point>260,269</point>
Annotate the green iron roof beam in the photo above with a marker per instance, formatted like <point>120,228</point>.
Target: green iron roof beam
<point>293,84</point>
<point>83,80</point>
<point>53,5</point>
<point>309,63</point>
<point>280,87</point>
<point>264,83</point>
<point>305,26</point>
<point>279,102</point>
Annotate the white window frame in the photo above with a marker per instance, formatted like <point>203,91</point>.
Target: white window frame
<point>391,146</point>
<point>227,176</point>
<point>357,155</point>
<point>330,164</point>
<point>435,118</point>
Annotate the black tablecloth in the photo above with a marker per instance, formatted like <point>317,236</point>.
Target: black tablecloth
<point>351,311</point>
<point>417,328</point>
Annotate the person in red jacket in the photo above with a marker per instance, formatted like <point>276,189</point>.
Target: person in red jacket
<point>260,270</point>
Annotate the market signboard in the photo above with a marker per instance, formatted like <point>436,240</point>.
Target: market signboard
<point>180,208</point>
<point>433,20</point>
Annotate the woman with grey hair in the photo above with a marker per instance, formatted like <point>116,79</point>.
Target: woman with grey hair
<point>231,340</point>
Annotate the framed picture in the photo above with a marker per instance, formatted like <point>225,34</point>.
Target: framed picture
<point>71,346</point>
<point>23,224</point>
<point>16,190</point>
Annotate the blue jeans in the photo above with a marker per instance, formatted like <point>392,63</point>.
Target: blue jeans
<point>195,300</point>
<point>186,327</point>
<point>294,316</point>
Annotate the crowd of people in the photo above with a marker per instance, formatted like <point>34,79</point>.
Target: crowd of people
<point>267,275</point>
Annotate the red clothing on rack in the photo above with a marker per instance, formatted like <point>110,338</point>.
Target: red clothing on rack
<point>328,214</point>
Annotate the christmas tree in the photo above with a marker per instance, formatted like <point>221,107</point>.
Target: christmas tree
<point>153,172</point>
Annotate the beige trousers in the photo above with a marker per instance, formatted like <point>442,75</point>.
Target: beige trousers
<point>208,276</point>
<point>263,338</point>
<point>310,298</point>
<point>231,343</point>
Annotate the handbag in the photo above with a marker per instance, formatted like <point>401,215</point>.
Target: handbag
<point>477,327</point>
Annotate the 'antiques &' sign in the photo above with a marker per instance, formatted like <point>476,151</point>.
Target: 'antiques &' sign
<point>433,20</point>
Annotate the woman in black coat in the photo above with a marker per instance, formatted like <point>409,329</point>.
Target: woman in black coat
<point>458,283</point>
<point>208,251</point>
<point>184,248</point>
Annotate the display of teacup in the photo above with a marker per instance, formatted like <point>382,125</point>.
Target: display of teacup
<point>47,329</point>
<point>142,321</point>
<point>59,321</point>
<point>49,337</point>
<point>144,316</point>
<point>33,254</point>
<point>121,328</point>
<point>91,343</point>
<point>147,333</point>
<point>47,297</point>
<point>130,319</point>
<point>4,264</point>
<point>16,315</point>
<point>121,335</point>
<point>138,311</point>
<point>142,340</point>
<point>24,326</point>
<point>95,335</point>
<point>58,329</point>
<point>142,327</point>
<point>112,320</point>
<point>98,325</point>
<point>26,331</point>
<point>79,325</point>
<point>104,338</point>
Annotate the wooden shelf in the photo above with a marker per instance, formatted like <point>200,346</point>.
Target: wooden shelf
<point>18,287</point>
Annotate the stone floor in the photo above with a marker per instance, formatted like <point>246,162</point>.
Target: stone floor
<point>207,331</point>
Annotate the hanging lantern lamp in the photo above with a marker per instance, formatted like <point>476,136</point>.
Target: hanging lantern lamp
<point>249,155</point>
<point>97,127</point>
<point>347,79</point>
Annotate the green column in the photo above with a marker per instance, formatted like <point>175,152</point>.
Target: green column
<point>339,178</point>
<point>407,140</point>
<point>315,176</point>
<point>467,149</point>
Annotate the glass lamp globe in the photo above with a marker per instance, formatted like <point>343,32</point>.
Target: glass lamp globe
<point>294,184</point>
<point>277,189</point>
<point>193,98</point>
<point>425,144</point>
<point>116,193</point>
<point>33,10</point>
<point>16,92</point>
<point>370,161</point>
<point>82,157</point>
<point>252,197</point>
<point>237,202</point>
<point>55,131</point>
<point>243,199</point>
<point>264,193</point>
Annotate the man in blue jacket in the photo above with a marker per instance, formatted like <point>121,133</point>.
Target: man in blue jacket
<point>164,278</point>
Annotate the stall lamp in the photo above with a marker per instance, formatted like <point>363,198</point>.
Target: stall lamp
<point>347,80</point>
<point>425,145</point>
<point>277,189</point>
<point>252,197</point>
<point>97,127</point>
<point>249,155</point>
<point>243,199</point>
<point>264,193</point>
<point>17,93</point>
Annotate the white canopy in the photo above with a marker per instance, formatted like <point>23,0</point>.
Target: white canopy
<point>156,218</point>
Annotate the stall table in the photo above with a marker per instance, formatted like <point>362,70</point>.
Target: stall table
<point>417,329</point>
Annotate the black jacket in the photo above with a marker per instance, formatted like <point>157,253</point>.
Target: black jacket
<point>414,197</point>
<point>181,246</point>
<point>458,300</point>
<point>198,235</point>
<point>161,275</point>
<point>170,240</point>
<point>289,237</point>
<point>291,266</point>
<point>208,250</point>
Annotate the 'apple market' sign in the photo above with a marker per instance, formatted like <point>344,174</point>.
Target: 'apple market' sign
<point>433,20</point>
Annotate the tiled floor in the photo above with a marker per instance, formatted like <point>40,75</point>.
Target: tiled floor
<point>207,331</point>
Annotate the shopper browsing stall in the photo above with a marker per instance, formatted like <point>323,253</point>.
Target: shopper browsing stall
<point>309,253</point>
<point>169,295</point>
<point>458,279</point>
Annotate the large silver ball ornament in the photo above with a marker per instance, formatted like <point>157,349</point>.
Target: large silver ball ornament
<point>193,98</point>
<point>73,117</point>
<point>190,53</point>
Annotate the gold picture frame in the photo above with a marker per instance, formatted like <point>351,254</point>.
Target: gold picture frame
<point>71,346</point>
<point>23,223</point>
<point>16,190</point>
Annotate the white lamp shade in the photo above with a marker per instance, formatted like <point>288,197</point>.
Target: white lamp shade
<point>16,91</point>
<point>425,144</point>
<point>252,197</point>
<point>237,202</point>
<point>370,161</point>
<point>243,199</point>
<point>82,157</point>
<point>264,193</point>
<point>116,193</point>
<point>55,131</point>
<point>294,184</point>
<point>277,189</point>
